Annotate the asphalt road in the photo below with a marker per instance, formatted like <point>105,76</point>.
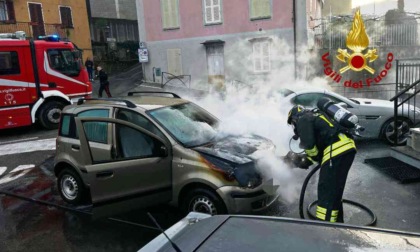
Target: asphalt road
<point>34,218</point>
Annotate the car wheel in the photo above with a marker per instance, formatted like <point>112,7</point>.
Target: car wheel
<point>203,201</point>
<point>49,114</point>
<point>389,130</point>
<point>71,187</point>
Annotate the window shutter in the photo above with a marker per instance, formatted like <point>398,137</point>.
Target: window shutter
<point>216,11</point>
<point>165,13</point>
<point>208,11</point>
<point>174,61</point>
<point>170,14</point>
<point>260,8</point>
<point>174,14</point>
<point>266,56</point>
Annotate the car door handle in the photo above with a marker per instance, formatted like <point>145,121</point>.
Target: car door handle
<point>52,84</point>
<point>105,174</point>
<point>75,147</point>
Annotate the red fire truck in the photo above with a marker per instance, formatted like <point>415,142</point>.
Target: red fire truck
<point>38,78</point>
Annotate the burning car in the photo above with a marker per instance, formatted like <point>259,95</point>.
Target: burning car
<point>157,149</point>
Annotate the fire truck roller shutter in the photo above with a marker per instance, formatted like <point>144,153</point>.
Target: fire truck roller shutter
<point>48,110</point>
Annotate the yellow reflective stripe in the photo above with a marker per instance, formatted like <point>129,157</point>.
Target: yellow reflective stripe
<point>337,145</point>
<point>338,151</point>
<point>321,209</point>
<point>312,152</point>
<point>334,213</point>
<point>333,219</point>
<point>325,119</point>
<point>320,216</point>
<point>342,136</point>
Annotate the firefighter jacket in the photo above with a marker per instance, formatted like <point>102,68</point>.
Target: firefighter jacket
<point>321,137</point>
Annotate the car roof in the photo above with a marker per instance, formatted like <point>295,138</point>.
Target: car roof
<point>154,102</point>
<point>144,103</point>
<point>261,233</point>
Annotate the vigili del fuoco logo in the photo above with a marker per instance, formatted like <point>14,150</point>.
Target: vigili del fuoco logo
<point>357,58</point>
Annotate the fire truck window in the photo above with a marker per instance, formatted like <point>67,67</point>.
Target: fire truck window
<point>64,61</point>
<point>9,63</point>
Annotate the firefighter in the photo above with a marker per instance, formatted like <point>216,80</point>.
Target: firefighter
<point>325,142</point>
<point>103,82</point>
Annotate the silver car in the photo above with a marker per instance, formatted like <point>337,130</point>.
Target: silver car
<point>158,150</point>
<point>376,116</point>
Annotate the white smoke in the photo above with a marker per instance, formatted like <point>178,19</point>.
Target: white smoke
<point>260,108</point>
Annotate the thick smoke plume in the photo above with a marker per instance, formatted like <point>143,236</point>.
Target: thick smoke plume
<point>260,108</point>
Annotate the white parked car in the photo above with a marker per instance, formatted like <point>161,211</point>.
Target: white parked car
<point>376,116</point>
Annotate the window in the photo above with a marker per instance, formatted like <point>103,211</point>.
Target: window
<point>96,131</point>
<point>261,56</point>
<point>68,126</point>
<point>212,11</point>
<point>259,9</point>
<point>7,10</point>
<point>9,63</point>
<point>170,14</point>
<point>3,11</point>
<point>139,120</point>
<point>66,17</point>
<point>64,61</point>
<point>187,123</point>
<point>135,144</point>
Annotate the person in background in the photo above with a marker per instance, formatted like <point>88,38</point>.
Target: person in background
<point>89,68</point>
<point>103,81</point>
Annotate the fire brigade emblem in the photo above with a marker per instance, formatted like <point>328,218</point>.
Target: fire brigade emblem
<point>8,97</point>
<point>357,41</point>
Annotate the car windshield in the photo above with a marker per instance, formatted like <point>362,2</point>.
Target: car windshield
<point>187,123</point>
<point>285,92</point>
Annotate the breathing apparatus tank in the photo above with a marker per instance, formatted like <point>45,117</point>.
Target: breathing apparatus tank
<point>341,115</point>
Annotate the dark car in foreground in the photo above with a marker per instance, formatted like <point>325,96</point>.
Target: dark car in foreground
<point>202,232</point>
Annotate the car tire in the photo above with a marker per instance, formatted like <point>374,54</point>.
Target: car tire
<point>71,187</point>
<point>204,201</point>
<point>49,114</point>
<point>403,128</point>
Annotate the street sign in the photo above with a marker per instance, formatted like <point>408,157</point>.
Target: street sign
<point>143,55</point>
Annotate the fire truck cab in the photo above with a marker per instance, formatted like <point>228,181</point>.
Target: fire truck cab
<point>38,78</point>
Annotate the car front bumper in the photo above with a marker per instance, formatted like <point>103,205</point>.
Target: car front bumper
<point>245,200</point>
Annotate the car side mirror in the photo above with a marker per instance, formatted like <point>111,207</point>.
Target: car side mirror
<point>162,151</point>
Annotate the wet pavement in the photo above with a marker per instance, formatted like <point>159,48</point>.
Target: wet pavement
<point>33,216</point>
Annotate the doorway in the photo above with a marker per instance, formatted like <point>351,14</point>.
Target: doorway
<point>216,65</point>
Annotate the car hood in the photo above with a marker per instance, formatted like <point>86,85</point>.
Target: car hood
<point>374,102</point>
<point>237,149</point>
<point>235,156</point>
<point>385,107</point>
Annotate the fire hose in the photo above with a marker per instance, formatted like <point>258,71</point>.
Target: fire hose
<point>311,205</point>
<point>350,202</point>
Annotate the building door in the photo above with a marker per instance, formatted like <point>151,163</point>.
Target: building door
<point>216,65</point>
<point>37,20</point>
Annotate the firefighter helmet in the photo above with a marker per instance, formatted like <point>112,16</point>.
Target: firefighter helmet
<point>294,113</point>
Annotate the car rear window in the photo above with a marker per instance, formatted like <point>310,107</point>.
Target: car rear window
<point>68,126</point>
